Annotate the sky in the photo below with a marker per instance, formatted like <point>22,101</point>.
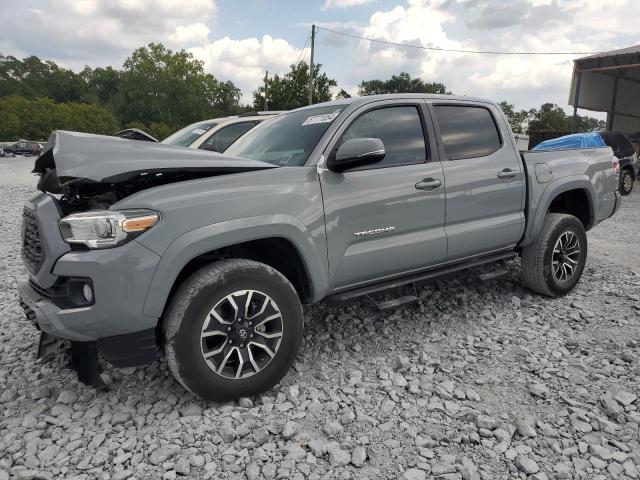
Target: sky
<point>239,39</point>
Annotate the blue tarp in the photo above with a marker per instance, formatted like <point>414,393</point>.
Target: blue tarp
<point>577,140</point>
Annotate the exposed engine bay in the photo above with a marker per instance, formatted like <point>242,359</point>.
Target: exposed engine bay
<point>91,172</point>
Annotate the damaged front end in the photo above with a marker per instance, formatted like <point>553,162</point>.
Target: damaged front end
<point>91,172</point>
<point>81,293</point>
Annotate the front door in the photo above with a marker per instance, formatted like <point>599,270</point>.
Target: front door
<point>485,181</point>
<point>385,219</point>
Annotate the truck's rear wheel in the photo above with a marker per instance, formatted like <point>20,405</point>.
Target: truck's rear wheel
<point>233,329</point>
<point>553,263</point>
<point>626,181</point>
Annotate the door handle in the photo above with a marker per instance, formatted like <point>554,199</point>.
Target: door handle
<point>507,173</point>
<point>428,184</point>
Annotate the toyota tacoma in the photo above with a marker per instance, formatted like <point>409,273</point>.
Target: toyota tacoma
<point>135,247</point>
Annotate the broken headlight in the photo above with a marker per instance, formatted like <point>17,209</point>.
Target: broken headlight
<point>106,228</point>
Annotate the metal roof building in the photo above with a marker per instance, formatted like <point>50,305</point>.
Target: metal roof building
<point>609,82</point>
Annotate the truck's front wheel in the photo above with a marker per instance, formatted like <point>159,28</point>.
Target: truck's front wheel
<point>553,263</point>
<point>233,329</point>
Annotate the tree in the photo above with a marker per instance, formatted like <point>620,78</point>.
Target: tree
<point>551,117</point>
<point>292,89</point>
<point>342,94</point>
<point>159,85</point>
<point>35,119</point>
<point>517,120</point>
<point>402,83</point>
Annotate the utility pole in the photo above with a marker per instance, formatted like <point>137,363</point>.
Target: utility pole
<point>313,40</point>
<point>266,87</point>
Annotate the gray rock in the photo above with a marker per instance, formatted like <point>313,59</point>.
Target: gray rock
<point>525,430</point>
<point>339,457</point>
<point>526,465</point>
<point>358,456</point>
<point>183,466</point>
<point>539,390</point>
<point>289,430</point>
<point>625,398</point>
<point>67,397</point>
<point>295,452</point>
<point>441,468</point>
<point>252,471</point>
<point>485,421</point>
<point>227,433</point>
<point>191,410</point>
<point>333,429</point>
<point>162,454</point>
<point>415,474</point>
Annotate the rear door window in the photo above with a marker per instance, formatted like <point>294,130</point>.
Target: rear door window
<point>467,131</point>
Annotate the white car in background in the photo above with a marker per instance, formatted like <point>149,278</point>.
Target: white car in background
<point>217,134</point>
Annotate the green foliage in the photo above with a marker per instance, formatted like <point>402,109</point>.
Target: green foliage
<point>159,130</point>
<point>162,86</point>
<point>402,83</point>
<point>292,89</point>
<point>158,88</point>
<point>551,117</point>
<point>36,119</point>
<point>517,120</point>
<point>342,94</point>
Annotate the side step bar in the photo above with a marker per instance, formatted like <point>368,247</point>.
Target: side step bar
<point>424,277</point>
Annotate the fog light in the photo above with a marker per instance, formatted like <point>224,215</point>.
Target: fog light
<point>87,293</point>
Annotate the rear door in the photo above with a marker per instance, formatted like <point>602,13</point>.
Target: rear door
<point>385,219</point>
<point>485,181</point>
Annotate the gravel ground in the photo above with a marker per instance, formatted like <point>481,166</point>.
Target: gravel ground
<point>480,380</point>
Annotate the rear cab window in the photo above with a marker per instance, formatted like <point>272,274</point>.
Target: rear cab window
<point>467,131</point>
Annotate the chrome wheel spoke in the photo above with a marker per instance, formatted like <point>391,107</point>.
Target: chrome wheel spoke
<point>565,256</point>
<point>241,334</point>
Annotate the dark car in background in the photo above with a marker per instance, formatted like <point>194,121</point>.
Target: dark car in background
<point>135,134</point>
<point>23,147</point>
<point>626,155</point>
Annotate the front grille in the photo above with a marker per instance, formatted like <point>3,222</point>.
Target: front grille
<point>32,251</point>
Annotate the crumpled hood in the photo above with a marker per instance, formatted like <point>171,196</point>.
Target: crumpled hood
<point>105,159</point>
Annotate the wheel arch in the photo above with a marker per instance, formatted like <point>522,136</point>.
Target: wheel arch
<point>284,245</point>
<point>573,195</point>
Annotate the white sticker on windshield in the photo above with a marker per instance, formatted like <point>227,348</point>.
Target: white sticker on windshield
<point>199,131</point>
<point>326,118</point>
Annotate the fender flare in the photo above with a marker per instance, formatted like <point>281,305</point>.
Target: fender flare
<point>549,194</point>
<point>212,237</point>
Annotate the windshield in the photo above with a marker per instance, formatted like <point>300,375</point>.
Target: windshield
<point>288,139</point>
<point>189,134</point>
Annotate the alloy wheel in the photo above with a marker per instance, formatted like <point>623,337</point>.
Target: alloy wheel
<point>566,256</point>
<point>241,334</point>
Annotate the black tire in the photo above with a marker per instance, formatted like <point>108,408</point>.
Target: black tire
<point>537,270</point>
<point>626,182</point>
<point>192,305</point>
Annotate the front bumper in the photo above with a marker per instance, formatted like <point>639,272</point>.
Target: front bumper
<point>120,276</point>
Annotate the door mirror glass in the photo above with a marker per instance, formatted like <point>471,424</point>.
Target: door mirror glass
<point>356,152</point>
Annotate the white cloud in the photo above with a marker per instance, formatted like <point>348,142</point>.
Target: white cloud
<point>344,3</point>
<point>524,80</point>
<point>244,61</point>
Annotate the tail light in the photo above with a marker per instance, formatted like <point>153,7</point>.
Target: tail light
<point>616,165</point>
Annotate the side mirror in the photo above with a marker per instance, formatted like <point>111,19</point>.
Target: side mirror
<point>356,152</point>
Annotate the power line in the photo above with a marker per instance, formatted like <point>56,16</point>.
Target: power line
<point>296,77</point>
<point>438,49</point>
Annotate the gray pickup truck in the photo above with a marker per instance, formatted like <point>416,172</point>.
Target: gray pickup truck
<point>134,247</point>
